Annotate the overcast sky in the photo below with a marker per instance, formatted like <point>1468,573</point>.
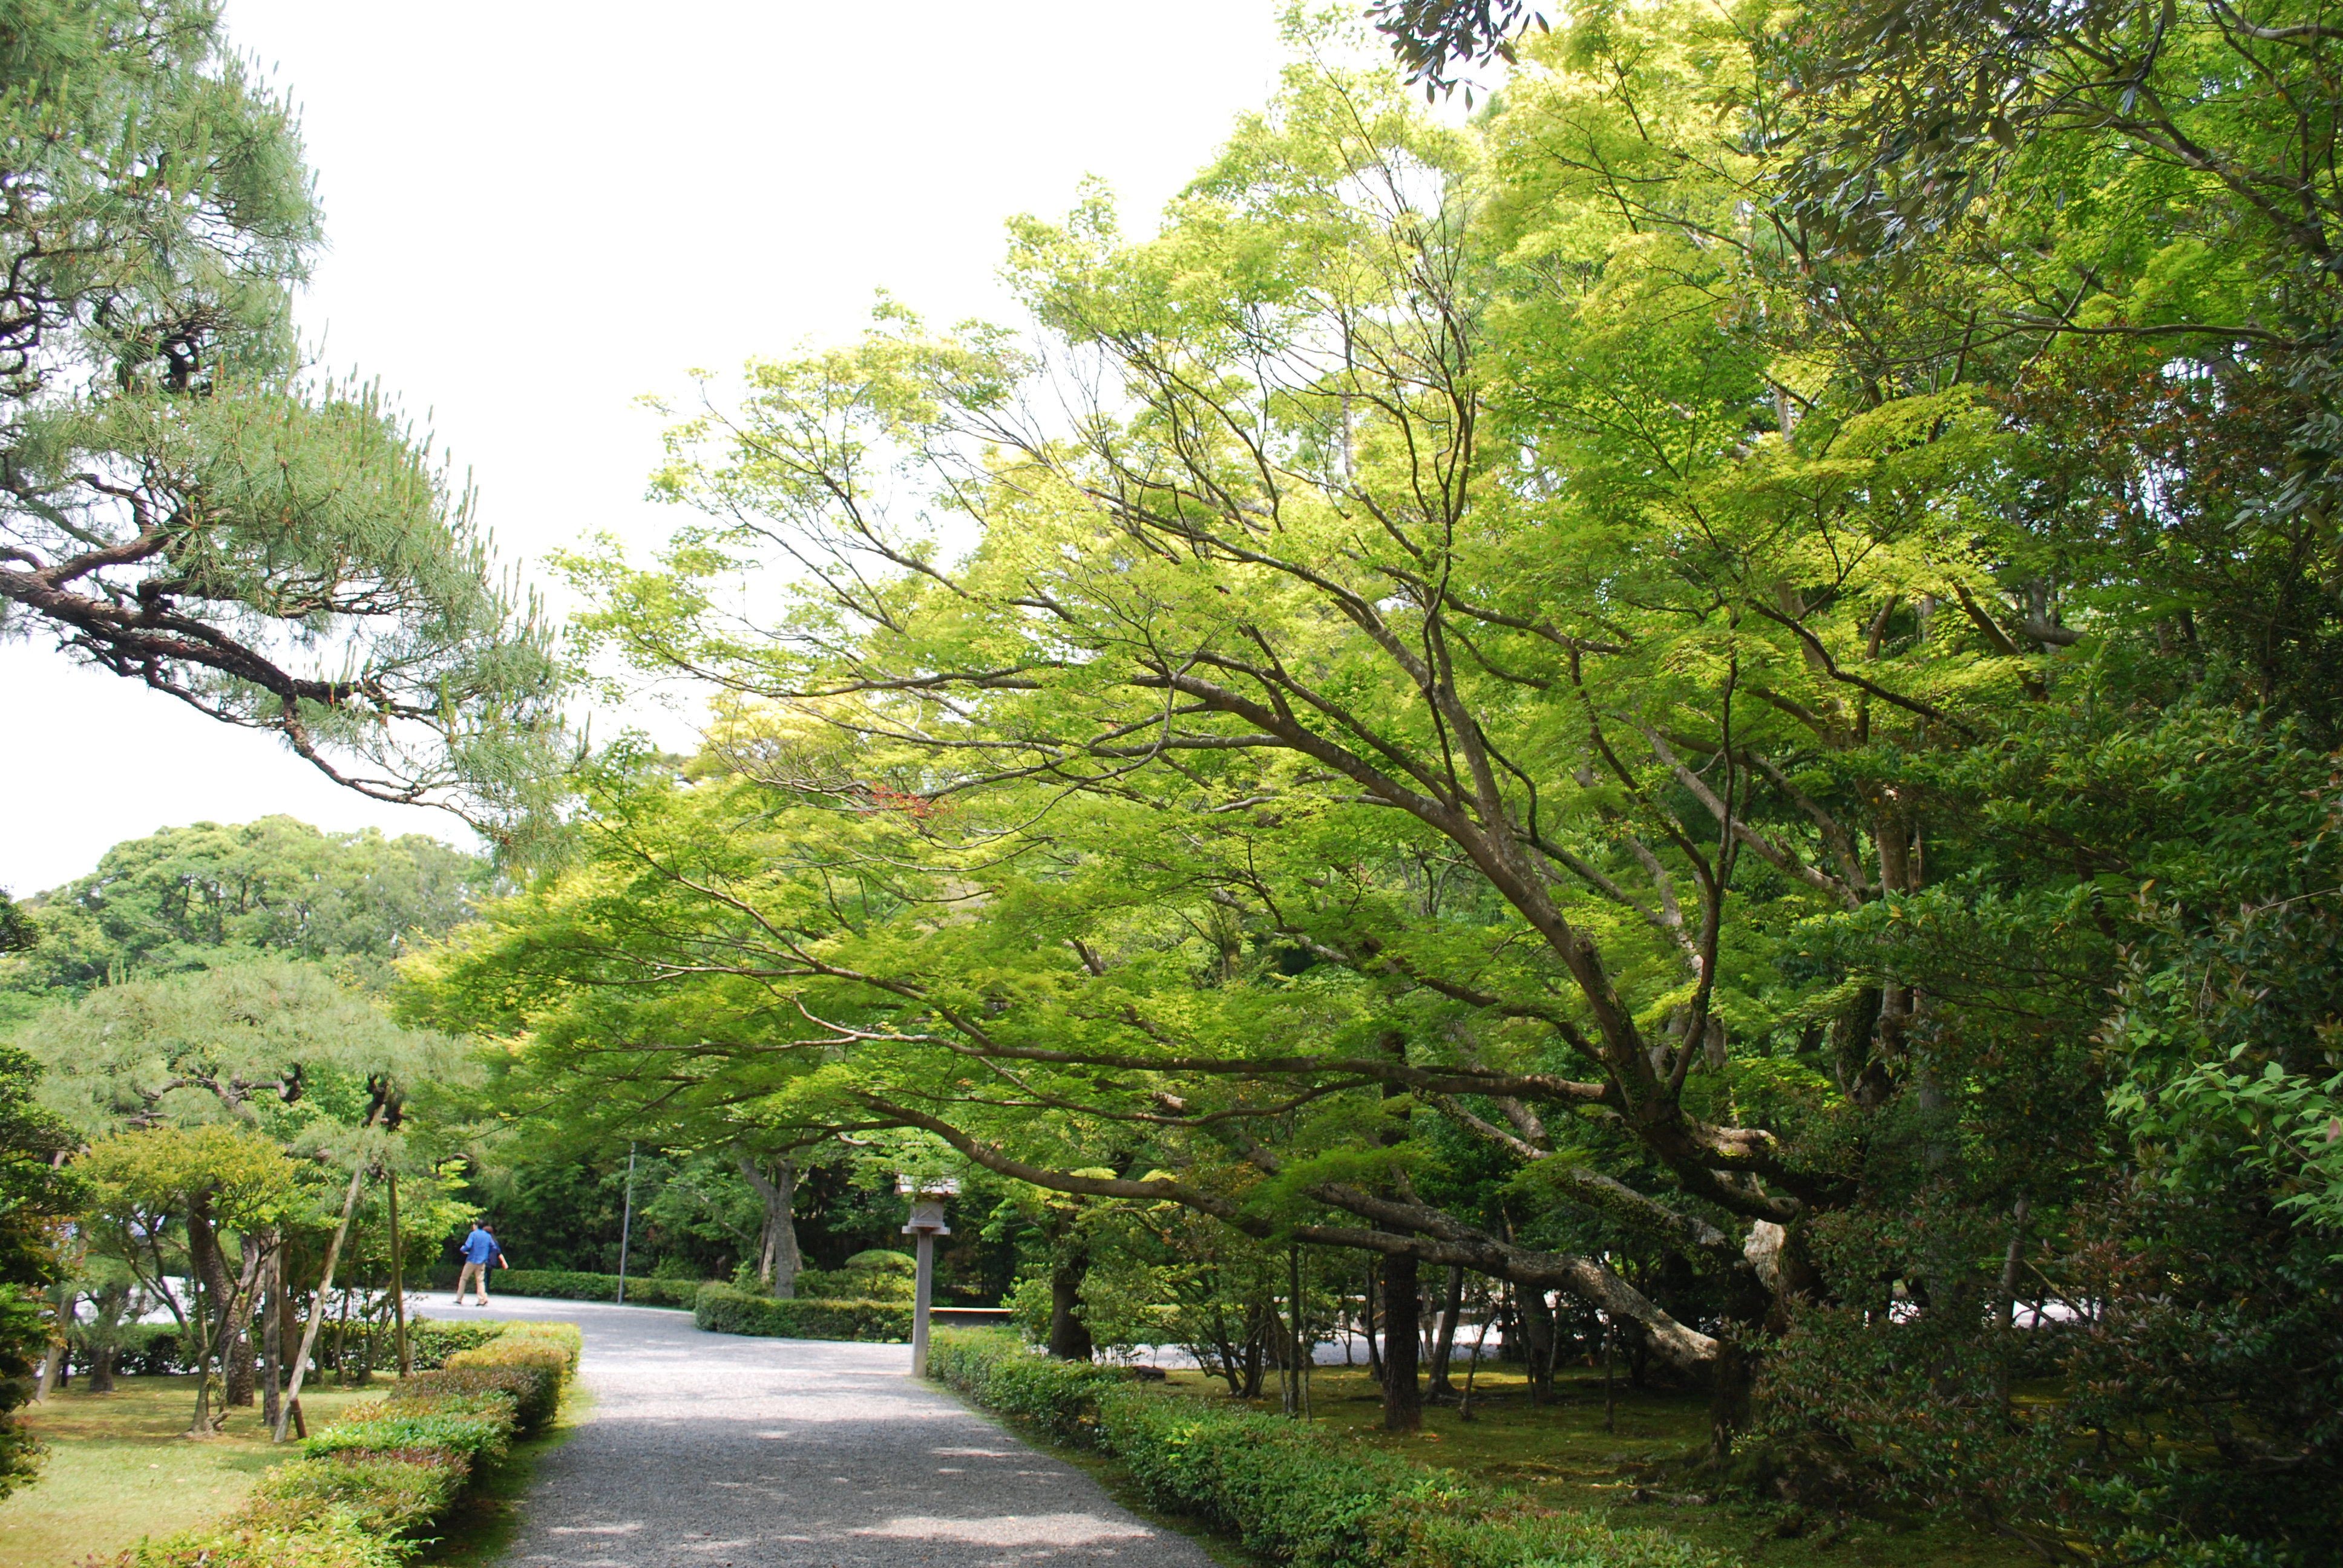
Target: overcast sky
<point>538,213</point>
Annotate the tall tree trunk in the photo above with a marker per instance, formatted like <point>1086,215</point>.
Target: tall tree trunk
<point>1367,1321</point>
<point>210,1316</point>
<point>236,1343</point>
<point>272,1333</point>
<point>1070,1337</point>
<point>1444,1346</point>
<point>1402,1341</point>
<point>1537,1324</point>
<point>778,1258</point>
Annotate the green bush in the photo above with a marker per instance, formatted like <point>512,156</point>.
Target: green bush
<point>535,1390</point>
<point>1289,1493</point>
<point>385,1494</point>
<point>872,1276</point>
<point>565,1285</point>
<point>336,1539</point>
<point>374,1481</point>
<point>430,1343</point>
<point>476,1427</point>
<point>143,1350</point>
<point>721,1310</point>
<point>566,1335</point>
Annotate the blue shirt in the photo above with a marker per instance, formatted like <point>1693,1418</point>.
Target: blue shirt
<point>480,1247</point>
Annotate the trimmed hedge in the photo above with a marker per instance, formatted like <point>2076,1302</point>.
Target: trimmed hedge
<point>398,1493</point>
<point>566,1335</point>
<point>333,1540</point>
<point>1290,1493</point>
<point>721,1310</point>
<point>569,1285</point>
<point>535,1390</point>
<point>429,1342</point>
<point>368,1489</point>
<point>476,1428</point>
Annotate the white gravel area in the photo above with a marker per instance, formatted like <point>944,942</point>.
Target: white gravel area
<point>717,1451</point>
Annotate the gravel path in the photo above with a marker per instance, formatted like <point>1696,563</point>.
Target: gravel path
<point>719,1451</point>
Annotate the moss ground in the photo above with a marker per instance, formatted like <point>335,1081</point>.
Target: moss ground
<point>117,1469</point>
<point>1560,1455</point>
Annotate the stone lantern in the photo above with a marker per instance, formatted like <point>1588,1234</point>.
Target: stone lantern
<point>927,1222</point>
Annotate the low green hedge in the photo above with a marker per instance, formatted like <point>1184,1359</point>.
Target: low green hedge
<point>1290,1493</point>
<point>535,1390</point>
<point>335,1539</point>
<point>429,1342</point>
<point>566,1335</point>
<point>397,1495</point>
<point>477,1428</point>
<point>570,1285</point>
<point>368,1489</point>
<point>721,1310</point>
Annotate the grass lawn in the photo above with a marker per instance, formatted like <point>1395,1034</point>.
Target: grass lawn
<point>1560,1457</point>
<point>117,1468</point>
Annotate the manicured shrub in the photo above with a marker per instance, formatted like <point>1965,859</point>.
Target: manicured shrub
<point>1291,1494</point>
<point>566,1335</point>
<point>476,1427</point>
<point>333,1540</point>
<point>401,1492</point>
<point>388,1470</point>
<point>722,1310</point>
<point>536,1390</point>
<point>429,1342</point>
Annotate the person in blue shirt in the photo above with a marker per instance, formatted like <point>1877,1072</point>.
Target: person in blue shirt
<point>480,1247</point>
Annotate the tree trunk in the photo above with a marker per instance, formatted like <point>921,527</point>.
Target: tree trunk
<point>1443,1347</point>
<point>778,1258</point>
<point>1402,1400</point>
<point>1735,1373</point>
<point>211,1307</point>
<point>1367,1322</point>
<point>1070,1337</point>
<point>236,1339</point>
<point>1537,1325</point>
<point>101,1368</point>
<point>272,1333</point>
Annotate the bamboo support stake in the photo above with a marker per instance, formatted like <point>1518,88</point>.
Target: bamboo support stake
<point>398,1285</point>
<point>317,1301</point>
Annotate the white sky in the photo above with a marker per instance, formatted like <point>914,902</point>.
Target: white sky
<point>539,212</point>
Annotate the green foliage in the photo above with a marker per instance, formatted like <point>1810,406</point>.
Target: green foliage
<point>720,1308</point>
<point>430,1342</point>
<point>535,1389</point>
<point>479,1428</point>
<point>336,1539</point>
<point>390,1470</point>
<point>394,1497</point>
<point>208,895</point>
<point>35,1197</point>
<point>280,1043</point>
<point>571,1341</point>
<point>1290,1494</point>
<point>300,563</point>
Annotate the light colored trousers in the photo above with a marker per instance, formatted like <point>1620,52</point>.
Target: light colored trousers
<point>473,1271</point>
